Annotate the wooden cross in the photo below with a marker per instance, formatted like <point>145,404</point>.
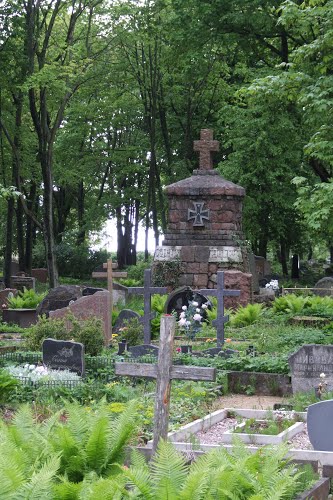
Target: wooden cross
<point>220,292</point>
<point>206,146</point>
<point>164,372</point>
<point>147,291</point>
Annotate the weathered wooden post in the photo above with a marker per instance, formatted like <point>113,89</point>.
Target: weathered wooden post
<point>163,385</point>
<point>164,372</point>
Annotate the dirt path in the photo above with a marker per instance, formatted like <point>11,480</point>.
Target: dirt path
<point>242,401</point>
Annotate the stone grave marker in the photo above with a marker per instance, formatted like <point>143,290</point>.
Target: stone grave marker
<point>181,297</point>
<point>147,291</point>
<point>143,350</point>
<point>308,363</point>
<point>319,423</point>
<point>90,306</point>
<point>324,287</point>
<point>164,372</point>
<point>58,297</point>
<point>124,316</point>
<point>63,355</point>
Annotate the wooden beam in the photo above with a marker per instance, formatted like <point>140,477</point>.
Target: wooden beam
<point>180,372</point>
<point>103,274</point>
<point>114,265</point>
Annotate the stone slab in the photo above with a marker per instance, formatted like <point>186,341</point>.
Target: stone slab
<point>227,254</point>
<point>97,305</point>
<point>143,350</point>
<point>308,363</point>
<point>124,316</point>
<point>166,253</point>
<point>63,355</point>
<point>320,418</point>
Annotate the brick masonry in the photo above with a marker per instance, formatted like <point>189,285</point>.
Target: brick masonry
<point>204,227</point>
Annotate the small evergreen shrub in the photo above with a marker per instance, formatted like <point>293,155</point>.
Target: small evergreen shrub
<point>247,315</point>
<point>88,332</point>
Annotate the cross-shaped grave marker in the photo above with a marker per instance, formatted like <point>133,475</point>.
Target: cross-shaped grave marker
<point>109,274</point>
<point>164,372</point>
<point>220,292</point>
<point>206,146</point>
<point>198,214</point>
<point>147,291</point>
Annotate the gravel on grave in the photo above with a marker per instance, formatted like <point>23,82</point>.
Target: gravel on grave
<point>213,435</point>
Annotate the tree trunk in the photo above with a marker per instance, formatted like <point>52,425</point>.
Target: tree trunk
<point>9,243</point>
<point>20,235</point>
<point>29,238</point>
<point>80,215</point>
<point>284,257</point>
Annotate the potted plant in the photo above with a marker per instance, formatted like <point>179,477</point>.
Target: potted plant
<point>21,310</point>
<point>190,322</point>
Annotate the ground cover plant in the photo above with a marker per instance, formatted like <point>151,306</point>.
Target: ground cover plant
<point>272,424</point>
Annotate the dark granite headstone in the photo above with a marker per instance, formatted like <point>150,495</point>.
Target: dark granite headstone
<point>308,363</point>
<point>181,297</point>
<point>59,297</point>
<point>125,315</point>
<point>143,350</point>
<point>319,423</point>
<point>90,290</point>
<point>63,355</point>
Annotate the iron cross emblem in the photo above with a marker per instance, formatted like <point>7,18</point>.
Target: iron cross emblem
<point>198,214</point>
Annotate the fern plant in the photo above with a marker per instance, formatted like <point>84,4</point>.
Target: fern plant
<point>247,315</point>
<point>33,456</point>
<point>28,299</point>
<point>290,304</point>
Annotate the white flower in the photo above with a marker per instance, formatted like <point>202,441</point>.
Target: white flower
<point>198,310</point>
<point>197,317</point>
<point>322,375</point>
<point>182,315</point>
<point>32,367</point>
<point>195,304</point>
<point>26,366</point>
<point>188,323</point>
<point>184,308</point>
<point>204,306</point>
<point>182,322</point>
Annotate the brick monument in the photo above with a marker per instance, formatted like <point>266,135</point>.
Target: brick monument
<point>205,227</point>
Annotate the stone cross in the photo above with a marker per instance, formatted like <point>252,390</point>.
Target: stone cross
<point>198,214</point>
<point>147,291</point>
<point>164,372</point>
<point>220,292</point>
<point>206,146</point>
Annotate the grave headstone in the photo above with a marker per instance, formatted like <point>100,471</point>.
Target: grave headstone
<point>59,297</point>
<point>319,424</point>
<point>40,274</point>
<point>324,287</point>
<point>124,316</point>
<point>308,363</point>
<point>90,306</point>
<point>22,282</point>
<point>181,297</point>
<point>143,350</point>
<point>63,355</point>
<point>4,296</point>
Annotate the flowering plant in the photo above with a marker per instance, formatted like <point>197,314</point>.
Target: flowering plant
<point>41,373</point>
<point>190,318</point>
<point>273,285</point>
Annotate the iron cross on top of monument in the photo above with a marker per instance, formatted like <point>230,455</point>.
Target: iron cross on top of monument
<point>206,146</point>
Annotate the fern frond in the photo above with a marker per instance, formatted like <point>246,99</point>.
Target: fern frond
<point>41,483</point>
<point>168,471</point>
<point>121,431</point>
<point>97,445</point>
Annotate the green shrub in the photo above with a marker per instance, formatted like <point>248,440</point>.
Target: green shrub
<point>247,315</point>
<point>132,331</point>
<point>88,332</point>
<point>8,385</point>
<point>290,304</point>
<point>28,299</point>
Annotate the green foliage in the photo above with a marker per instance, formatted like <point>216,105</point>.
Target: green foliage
<point>157,306</point>
<point>247,315</point>
<point>35,456</point>
<point>166,273</point>
<point>290,304</point>
<point>28,299</point>
<point>132,331</point>
<point>136,273</point>
<point>89,332</point>
<point>8,385</point>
